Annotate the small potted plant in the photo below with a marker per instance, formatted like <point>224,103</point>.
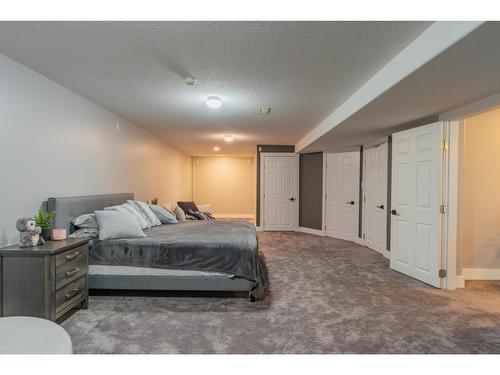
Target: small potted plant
<point>154,200</point>
<point>44,221</point>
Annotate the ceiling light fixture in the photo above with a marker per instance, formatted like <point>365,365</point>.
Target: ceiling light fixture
<point>214,102</point>
<point>228,138</point>
<point>216,148</point>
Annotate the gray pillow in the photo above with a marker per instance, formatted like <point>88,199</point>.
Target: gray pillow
<point>116,224</point>
<point>126,207</point>
<point>165,216</point>
<point>146,212</point>
<point>180,214</point>
<point>85,221</point>
<point>85,232</point>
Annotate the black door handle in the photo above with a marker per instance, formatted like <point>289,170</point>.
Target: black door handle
<point>381,206</point>
<point>291,199</point>
<point>350,202</point>
<point>394,212</point>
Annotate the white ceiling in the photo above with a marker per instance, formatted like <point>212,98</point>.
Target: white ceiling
<point>303,70</point>
<point>467,71</point>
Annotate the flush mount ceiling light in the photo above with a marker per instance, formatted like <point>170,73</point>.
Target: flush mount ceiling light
<point>214,102</point>
<point>216,148</point>
<point>228,138</point>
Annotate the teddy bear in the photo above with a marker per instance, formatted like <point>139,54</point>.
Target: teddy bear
<point>30,233</point>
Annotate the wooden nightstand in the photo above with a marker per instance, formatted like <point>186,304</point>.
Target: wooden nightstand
<point>44,281</point>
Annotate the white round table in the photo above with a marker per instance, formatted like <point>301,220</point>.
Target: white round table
<point>29,335</point>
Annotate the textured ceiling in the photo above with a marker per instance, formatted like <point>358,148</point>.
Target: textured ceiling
<point>303,70</point>
<point>465,72</point>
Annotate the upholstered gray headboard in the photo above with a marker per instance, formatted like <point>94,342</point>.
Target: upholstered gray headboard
<point>67,208</point>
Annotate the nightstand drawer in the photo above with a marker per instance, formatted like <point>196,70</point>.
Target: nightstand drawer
<point>72,255</point>
<point>71,295</point>
<point>70,271</point>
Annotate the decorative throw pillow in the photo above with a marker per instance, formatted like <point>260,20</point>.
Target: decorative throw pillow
<point>116,224</point>
<point>85,221</point>
<point>146,212</point>
<point>186,206</point>
<point>165,216</point>
<point>126,207</point>
<point>85,232</point>
<point>180,214</point>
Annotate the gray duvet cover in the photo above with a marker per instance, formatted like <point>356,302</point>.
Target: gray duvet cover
<point>218,246</point>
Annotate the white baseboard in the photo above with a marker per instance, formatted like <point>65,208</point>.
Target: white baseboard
<point>460,282</point>
<point>316,232</point>
<point>259,229</point>
<point>481,273</point>
<point>386,254</point>
<point>359,241</point>
<point>234,216</point>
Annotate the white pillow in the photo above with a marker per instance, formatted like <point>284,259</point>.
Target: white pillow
<point>146,212</point>
<point>116,224</point>
<point>126,207</point>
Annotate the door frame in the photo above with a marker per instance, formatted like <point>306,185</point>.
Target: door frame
<point>263,156</point>
<point>386,253</point>
<point>357,239</point>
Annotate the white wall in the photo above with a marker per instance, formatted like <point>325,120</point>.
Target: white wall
<point>56,143</point>
<point>479,193</point>
<point>228,183</point>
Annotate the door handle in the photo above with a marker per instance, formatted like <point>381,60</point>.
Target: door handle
<point>381,206</point>
<point>291,199</point>
<point>394,212</point>
<point>350,202</point>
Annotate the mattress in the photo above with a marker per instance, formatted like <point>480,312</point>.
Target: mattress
<point>146,271</point>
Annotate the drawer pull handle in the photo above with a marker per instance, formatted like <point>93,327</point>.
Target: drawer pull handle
<point>71,294</point>
<point>72,272</point>
<point>72,256</point>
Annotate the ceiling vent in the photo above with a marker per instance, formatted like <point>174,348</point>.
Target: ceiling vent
<point>190,81</point>
<point>265,110</point>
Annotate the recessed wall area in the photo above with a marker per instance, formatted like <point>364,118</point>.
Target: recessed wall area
<point>479,197</point>
<point>227,183</point>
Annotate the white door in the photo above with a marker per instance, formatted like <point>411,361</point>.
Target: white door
<point>415,202</point>
<point>375,165</point>
<point>342,195</point>
<point>280,193</point>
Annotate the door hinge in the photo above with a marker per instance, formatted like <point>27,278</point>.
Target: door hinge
<point>444,145</point>
<point>442,273</point>
<point>443,209</point>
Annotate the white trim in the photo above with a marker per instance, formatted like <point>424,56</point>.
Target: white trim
<point>460,282</point>
<point>316,232</point>
<point>387,254</point>
<point>359,240</point>
<point>323,198</point>
<point>481,273</point>
<point>450,198</point>
<point>234,216</point>
<point>258,228</point>
<point>433,41</point>
<point>263,155</point>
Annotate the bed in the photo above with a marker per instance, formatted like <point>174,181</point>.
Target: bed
<point>190,256</point>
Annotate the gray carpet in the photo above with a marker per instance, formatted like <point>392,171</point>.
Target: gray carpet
<point>325,296</point>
